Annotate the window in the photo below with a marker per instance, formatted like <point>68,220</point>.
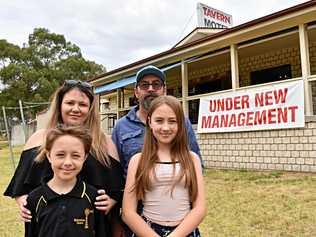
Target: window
<point>194,111</point>
<point>211,83</point>
<point>271,74</point>
<point>105,106</point>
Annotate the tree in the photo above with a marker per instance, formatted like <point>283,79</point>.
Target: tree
<point>34,71</point>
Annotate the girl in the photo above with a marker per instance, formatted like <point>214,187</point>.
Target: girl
<point>166,177</point>
<point>63,204</point>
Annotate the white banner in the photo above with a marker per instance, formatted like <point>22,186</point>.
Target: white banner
<point>213,18</point>
<point>266,107</point>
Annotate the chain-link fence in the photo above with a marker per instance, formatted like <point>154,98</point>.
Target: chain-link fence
<point>14,132</point>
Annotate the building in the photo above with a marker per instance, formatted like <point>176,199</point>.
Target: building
<point>272,50</point>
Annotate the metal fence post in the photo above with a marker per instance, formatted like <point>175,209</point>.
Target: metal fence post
<point>9,137</point>
<point>23,120</point>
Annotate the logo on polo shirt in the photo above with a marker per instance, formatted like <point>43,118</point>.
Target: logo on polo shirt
<point>84,221</point>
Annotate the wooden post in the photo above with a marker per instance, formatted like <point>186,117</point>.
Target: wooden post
<point>185,83</point>
<point>234,66</point>
<point>305,66</point>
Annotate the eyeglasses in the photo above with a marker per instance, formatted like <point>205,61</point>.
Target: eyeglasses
<point>78,82</point>
<point>156,85</point>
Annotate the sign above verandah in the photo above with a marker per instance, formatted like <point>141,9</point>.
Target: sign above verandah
<point>213,18</point>
<point>266,107</point>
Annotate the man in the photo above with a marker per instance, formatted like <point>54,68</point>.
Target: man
<point>128,133</point>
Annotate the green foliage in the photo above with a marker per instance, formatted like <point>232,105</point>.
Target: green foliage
<point>33,72</point>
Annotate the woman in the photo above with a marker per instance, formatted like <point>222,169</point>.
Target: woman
<point>166,177</point>
<point>73,104</point>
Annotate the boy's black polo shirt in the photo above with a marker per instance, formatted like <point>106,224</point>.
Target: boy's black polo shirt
<point>71,214</point>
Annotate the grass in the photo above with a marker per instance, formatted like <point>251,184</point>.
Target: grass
<point>240,203</point>
<point>10,224</point>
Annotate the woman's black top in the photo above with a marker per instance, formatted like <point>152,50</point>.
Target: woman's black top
<point>29,175</point>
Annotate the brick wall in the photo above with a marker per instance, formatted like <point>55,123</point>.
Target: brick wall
<point>286,149</point>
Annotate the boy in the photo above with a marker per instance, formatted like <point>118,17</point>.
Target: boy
<point>64,205</point>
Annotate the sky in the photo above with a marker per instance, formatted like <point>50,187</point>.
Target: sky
<point>116,33</point>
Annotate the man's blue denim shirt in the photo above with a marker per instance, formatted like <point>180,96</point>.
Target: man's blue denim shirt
<point>128,136</point>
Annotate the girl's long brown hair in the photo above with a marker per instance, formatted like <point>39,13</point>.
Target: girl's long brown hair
<point>98,147</point>
<point>179,152</point>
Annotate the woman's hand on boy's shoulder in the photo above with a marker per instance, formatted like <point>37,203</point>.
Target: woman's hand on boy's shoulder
<point>25,214</point>
<point>104,202</point>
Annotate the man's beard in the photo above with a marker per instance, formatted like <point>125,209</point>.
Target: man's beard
<point>146,101</point>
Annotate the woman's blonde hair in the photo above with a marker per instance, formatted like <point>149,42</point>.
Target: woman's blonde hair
<point>179,152</point>
<point>54,133</point>
<point>98,146</point>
